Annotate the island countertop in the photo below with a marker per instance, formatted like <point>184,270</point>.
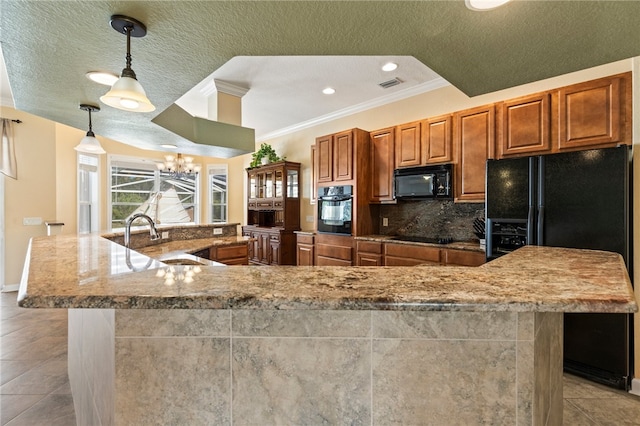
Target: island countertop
<point>68,271</point>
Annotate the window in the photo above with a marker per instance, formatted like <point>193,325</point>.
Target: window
<point>138,186</point>
<point>217,188</point>
<point>88,209</point>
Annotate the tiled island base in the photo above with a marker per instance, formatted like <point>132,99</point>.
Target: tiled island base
<point>139,366</point>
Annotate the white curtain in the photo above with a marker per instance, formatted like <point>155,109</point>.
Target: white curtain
<point>7,154</point>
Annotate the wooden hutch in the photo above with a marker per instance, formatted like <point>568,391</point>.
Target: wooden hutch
<point>273,212</point>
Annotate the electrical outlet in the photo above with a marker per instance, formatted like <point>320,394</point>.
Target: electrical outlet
<point>385,221</point>
<point>217,231</point>
<point>165,235</point>
<point>31,221</point>
<point>309,219</point>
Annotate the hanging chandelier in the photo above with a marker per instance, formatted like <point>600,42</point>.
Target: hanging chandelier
<point>178,166</point>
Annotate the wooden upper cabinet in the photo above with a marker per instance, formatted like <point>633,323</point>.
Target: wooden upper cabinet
<point>408,145</point>
<point>474,136</point>
<point>343,156</point>
<point>314,173</point>
<point>437,140</point>
<point>324,152</point>
<point>382,165</point>
<point>525,126</point>
<point>592,113</point>
<point>335,157</point>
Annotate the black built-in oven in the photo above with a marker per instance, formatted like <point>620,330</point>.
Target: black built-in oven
<point>334,209</point>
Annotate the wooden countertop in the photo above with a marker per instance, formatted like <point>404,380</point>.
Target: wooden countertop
<point>67,271</point>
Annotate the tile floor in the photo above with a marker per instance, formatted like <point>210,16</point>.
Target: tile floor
<point>34,386</point>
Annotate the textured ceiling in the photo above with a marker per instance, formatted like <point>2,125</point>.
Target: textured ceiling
<point>49,45</point>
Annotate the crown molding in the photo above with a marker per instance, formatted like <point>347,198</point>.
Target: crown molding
<point>224,87</point>
<point>364,106</point>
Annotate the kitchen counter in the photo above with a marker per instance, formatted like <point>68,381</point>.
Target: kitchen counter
<point>90,272</point>
<point>314,345</point>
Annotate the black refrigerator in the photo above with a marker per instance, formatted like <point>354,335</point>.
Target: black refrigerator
<point>577,200</point>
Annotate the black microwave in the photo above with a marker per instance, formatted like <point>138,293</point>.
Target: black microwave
<point>423,182</point>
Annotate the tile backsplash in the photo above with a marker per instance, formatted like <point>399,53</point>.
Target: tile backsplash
<point>431,219</point>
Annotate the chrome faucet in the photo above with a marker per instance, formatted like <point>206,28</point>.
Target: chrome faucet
<point>127,228</point>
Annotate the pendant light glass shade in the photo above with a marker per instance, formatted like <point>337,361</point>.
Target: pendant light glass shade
<point>89,144</point>
<point>127,94</point>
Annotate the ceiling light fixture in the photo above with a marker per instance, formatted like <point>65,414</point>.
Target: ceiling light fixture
<point>106,78</point>
<point>329,91</point>
<point>481,5</point>
<point>89,144</point>
<point>169,146</point>
<point>389,66</point>
<point>178,166</point>
<point>127,93</point>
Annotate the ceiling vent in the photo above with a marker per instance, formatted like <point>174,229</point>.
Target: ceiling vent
<point>390,83</point>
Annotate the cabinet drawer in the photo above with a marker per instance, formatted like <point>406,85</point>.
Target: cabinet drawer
<point>264,204</point>
<point>278,204</point>
<point>231,252</point>
<point>421,253</point>
<point>275,237</point>
<point>463,257</point>
<point>305,239</point>
<point>329,261</point>
<point>335,252</point>
<point>406,261</point>
<point>370,247</point>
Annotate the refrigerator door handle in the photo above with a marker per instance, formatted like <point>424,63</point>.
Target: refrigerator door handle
<point>540,240</point>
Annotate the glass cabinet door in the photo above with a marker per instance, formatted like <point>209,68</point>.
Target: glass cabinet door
<point>268,184</point>
<point>292,183</point>
<point>278,183</point>
<point>253,183</point>
<point>260,185</point>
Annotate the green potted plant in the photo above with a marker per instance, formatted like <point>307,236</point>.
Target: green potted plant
<point>266,154</point>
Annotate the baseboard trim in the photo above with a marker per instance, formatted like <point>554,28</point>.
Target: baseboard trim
<point>11,287</point>
<point>635,387</point>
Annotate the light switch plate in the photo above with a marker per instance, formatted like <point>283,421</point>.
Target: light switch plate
<point>31,221</point>
<point>165,235</point>
<point>385,221</point>
<point>217,231</point>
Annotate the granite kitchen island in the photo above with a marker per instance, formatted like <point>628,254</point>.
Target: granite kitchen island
<point>317,345</point>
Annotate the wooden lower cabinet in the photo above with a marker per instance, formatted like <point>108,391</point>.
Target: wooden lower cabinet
<point>369,253</point>
<point>271,246</point>
<point>462,257</point>
<point>230,255</point>
<point>410,255</point>
<point>333,250</point>
<point>305,250</point>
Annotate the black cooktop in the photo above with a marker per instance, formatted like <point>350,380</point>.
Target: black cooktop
<point>417,239</point>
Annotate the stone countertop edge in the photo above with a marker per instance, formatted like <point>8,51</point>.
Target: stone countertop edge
<point>457,245</point>
<point>68,271</point>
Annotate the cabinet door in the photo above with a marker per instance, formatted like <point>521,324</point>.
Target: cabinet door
<point>265,248</point>
<point>382,164</point>
<point>463,257</point>
<point>408,144</point>
<point>274,252</point>
<point>525,126</point>
<point>590,113</point>
<point>304,255</point>
<point>436,140</point>
<point>324,151</point>
<point>253,186</point>
<point>343,156</point>
<point>474,132</point>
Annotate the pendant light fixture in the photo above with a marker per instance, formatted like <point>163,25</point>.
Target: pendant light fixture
<point>89,144</point>
<point>127,93</point>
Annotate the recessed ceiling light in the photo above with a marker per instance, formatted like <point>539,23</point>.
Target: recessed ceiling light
<point>329,91</point>
<point>481,5</point>
<point>105,78</point>
<point>169,146</point>
<point>389,66</point>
